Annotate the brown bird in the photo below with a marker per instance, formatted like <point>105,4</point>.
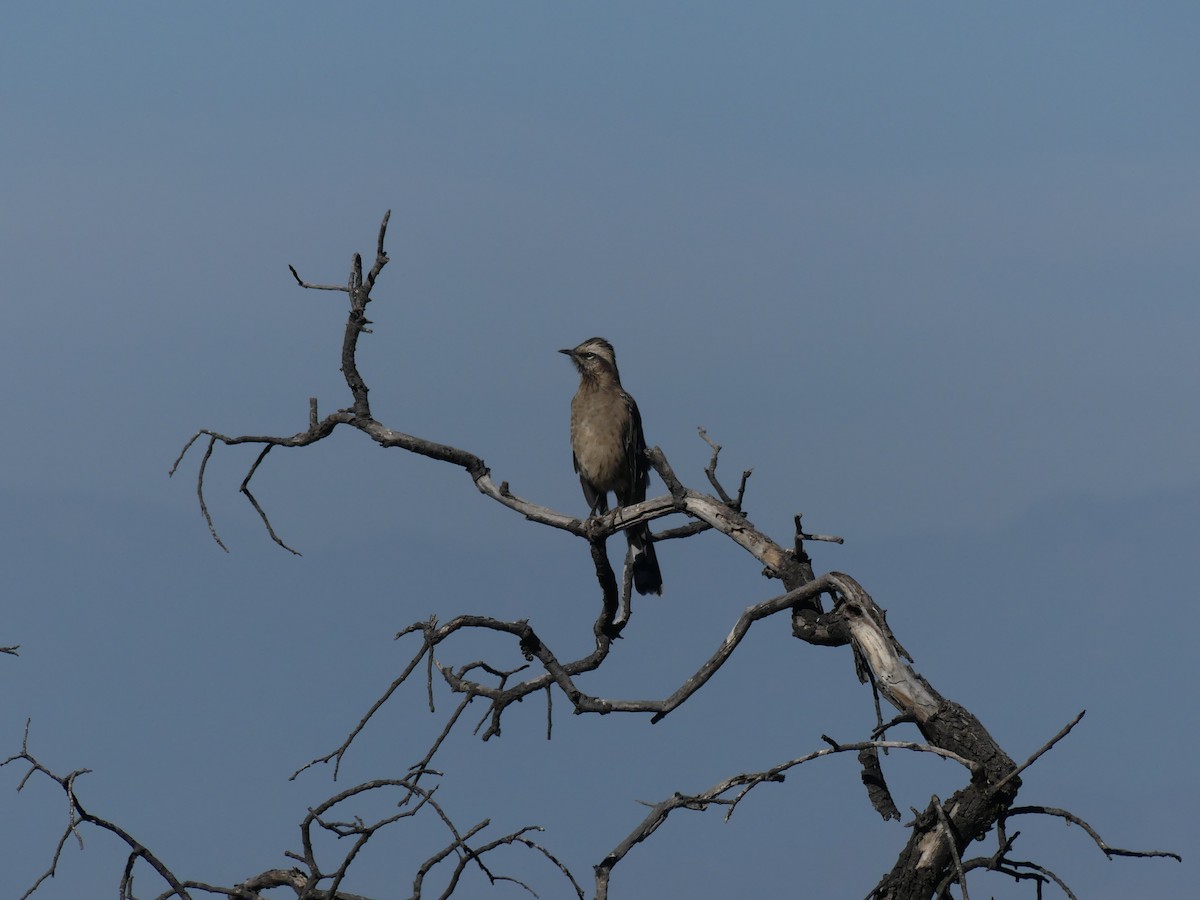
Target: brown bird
<point>608,447</point>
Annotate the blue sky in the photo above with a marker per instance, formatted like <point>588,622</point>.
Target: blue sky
<point>930,270</point>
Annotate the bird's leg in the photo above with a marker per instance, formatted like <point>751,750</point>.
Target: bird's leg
<point>597,500</point>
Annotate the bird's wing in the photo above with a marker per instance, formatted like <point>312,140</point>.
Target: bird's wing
<point>635,453</point>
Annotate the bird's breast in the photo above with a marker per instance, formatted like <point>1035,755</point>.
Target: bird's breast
<point>598,428</point>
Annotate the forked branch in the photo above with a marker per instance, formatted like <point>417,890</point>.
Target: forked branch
<point>312,880</point>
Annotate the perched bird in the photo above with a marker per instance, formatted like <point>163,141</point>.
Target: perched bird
<point>608,447</point>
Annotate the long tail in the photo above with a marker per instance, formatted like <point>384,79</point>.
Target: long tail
<point>646,575</point>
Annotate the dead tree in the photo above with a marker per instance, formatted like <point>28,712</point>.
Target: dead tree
<point>830,610</point>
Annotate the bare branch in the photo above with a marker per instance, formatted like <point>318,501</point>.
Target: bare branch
<point>245,489</point>
<point>212,529</point>
<point>715,796</point>
<point>336,755</point>
<point>315,287</point>
<point>952,843</point>
<point>557,863</point>
<point>1076,820</point>
<point>77,815</point>
<point>1066,729</point>
<point>802,535</point>
<point>1042,874</point>
<point>563,674</point>
<point>311,435</point>
<point>381,257</point>
<point>711,473</point>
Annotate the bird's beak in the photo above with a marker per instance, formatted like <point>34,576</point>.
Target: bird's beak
<point>568,352</point>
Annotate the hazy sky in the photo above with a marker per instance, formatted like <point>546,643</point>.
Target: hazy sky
<point>929,269</point>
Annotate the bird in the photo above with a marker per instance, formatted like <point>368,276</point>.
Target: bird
<point>608,449</point>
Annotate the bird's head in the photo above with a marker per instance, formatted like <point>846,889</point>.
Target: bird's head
<point>594,358</point>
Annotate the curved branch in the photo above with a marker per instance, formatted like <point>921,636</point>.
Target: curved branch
<point>1073,819</point>
<point>562,674</point>
<point>316,431</point>
<point>715,796</point>
<point>78,815</point>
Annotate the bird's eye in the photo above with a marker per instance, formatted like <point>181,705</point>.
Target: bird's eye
<point>589,355</point>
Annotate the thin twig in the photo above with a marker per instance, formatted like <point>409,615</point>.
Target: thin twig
<point>78,815</point>
<point>715,796</point>
<point>1063,732</point>
<point>337,754</point>
<point>1076,820</point>
<point>212,529</point>
<point>245,489</point>
<point>952,844</point>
